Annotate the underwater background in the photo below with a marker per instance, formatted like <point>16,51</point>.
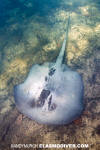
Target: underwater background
<point>31,32</point>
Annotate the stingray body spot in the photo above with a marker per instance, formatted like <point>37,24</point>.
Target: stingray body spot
<point>43,96</point>
<point>49,102</point>
<point>52,107</point>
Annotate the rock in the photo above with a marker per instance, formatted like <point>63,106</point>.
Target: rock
<point>84,10</point>
<point>17,65</point>
<point>50,47</point>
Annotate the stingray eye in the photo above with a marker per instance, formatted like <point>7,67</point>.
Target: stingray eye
<point>52,107</point>
<point>52,71</point>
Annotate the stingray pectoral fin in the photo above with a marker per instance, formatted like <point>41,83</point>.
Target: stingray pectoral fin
<point>16,94</point>
<point>31,87</point>
<point>38,70</point>
<point>20,94</point>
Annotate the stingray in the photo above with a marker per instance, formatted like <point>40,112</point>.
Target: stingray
<point>52,93</point>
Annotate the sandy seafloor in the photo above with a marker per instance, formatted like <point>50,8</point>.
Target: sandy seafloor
<point>32,32</point>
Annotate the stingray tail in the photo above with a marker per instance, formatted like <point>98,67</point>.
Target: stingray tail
<point>61,54</point>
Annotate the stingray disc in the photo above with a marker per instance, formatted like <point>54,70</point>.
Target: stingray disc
<point>50,96</point>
